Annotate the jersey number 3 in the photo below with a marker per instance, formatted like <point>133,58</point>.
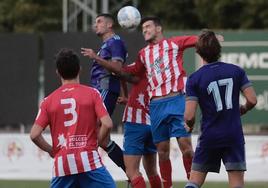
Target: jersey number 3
<point>213,88</point>
<point>70,110</point>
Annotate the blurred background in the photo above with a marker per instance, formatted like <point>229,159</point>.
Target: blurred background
<point>32,31</point>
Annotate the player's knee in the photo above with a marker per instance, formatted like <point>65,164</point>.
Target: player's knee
<point>188,153</point>
<point>151,170</point>
<point>163,155</point>
<point>163,151</point>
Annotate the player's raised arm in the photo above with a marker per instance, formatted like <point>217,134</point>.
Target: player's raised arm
<point>114,67</point>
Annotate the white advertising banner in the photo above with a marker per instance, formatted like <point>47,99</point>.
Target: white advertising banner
<point>21,159</point>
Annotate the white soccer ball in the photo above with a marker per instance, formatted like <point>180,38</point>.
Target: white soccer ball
<point>128,17</point>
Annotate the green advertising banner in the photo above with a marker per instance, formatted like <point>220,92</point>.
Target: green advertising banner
<point>252,56</point>
<point>249,50</point>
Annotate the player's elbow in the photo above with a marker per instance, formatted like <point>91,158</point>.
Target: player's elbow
<point>35,132</point>
<point>109,125</point>
<point>107,122</point>
<point>116,67</point>
<point>250,96</point>
<point>34,136</point>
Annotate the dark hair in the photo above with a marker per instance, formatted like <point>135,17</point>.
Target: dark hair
<point>68,64</point>
<point>208,46</point>
<point>107,16</point>
<point>155,19</point>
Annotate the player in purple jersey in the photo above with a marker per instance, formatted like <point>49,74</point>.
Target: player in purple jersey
<point>216,87</point>
<point>113,51</point>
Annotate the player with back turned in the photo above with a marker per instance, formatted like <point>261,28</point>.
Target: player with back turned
<point>71,112</point>
<point>216,87</point>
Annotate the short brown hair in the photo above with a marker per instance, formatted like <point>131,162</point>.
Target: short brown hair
<point>154,19</point>
<point>208,46</point>
<point>68,63</point>
<point>108,17</point>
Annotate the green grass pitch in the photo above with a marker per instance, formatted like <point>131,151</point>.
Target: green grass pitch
<point>45,184</point>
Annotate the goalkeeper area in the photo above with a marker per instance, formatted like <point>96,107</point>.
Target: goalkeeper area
<point>121,184</point>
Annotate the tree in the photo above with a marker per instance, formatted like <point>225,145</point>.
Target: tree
<point>30,15</point>
<point>42,16</point>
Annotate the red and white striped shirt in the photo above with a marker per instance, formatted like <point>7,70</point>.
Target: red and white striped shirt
<point>164,64</point>
<point>72,111</point>
<point>137,108</point>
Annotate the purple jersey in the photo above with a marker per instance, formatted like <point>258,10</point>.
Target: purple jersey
<point>111,49</point>
<point>216,87</point>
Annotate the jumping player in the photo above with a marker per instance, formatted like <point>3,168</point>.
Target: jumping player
<point>138,141</point>
<point>162,61</point>
<point>72,112</point>
<point>216,87</point>
<point>112,50</point>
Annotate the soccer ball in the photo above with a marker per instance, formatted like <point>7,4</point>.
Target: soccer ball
<point>129,17</point>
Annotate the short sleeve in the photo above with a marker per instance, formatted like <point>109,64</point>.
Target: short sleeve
<point>244,82</point>
<point>118,51</point>
<point>185,41</point>
<point>100,108</point>
<point>42,117</point>
<point>191,90</point>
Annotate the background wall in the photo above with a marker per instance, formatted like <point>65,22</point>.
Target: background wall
<point>28,70</point>
<point>21,160</point>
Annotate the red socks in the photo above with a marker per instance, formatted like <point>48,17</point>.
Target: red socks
<point>138,182</point>
<point>155,181</point>
<point>165,170</point>
<point>187,162</point>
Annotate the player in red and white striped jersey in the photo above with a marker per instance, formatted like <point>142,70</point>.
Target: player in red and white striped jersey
<point>138,141</point>
<point>163,63</point>
<point>162,60</point>
<point>137,107</point>
<point>72,112</point>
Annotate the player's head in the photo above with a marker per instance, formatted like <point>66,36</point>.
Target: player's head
<point>208,46</point>
<point>68,64</point>
<point>104,23</point>
<point>151,28</point>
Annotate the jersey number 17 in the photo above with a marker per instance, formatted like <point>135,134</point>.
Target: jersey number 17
<point>213,88</point>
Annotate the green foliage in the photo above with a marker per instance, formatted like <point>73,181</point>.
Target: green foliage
<point>174,13</point>
<point>46,15</point>
<point>217,14</point>
<point>30,15</point>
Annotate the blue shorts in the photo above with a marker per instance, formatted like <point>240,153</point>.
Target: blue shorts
<point>138,139</point>
<point>96,178</point>
<point>109,98</point>
<point>167,118</point>
<point>209,159</point>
